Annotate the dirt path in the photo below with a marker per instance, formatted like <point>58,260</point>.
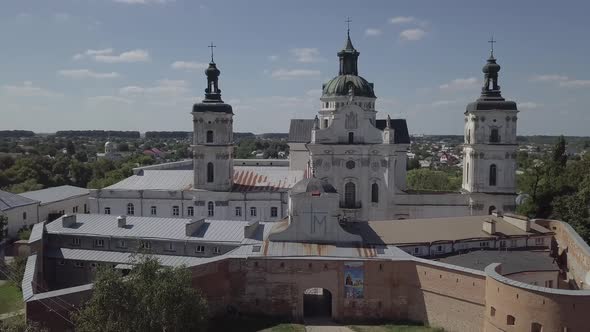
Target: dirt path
<point>324,325</point>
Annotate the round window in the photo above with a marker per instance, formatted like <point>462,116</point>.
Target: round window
<point>350,164</point>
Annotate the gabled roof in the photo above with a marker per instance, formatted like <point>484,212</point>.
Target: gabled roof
<point>9,201</point>
<point>55,194</point>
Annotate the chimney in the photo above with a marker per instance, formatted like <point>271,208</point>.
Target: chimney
<point>192,226</point>
<point>520,222</point>
<point>489,226</point>
<point>121,221</point>
<point>250,229</point>
<point>68,221</point>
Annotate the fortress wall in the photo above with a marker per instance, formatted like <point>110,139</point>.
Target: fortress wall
<point>533,308</point>
<point>577,252</point>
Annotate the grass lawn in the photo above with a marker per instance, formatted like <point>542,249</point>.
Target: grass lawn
<point>11,298</point>
<point>253,324</point>
<point>393,328</point>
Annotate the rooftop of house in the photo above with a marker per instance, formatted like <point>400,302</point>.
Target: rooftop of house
<point>246,178</point>
<point>55,194</point>
<point>512,261</point>
<point>410,231</point>
<point>212,231</point>
<point>9,201</point>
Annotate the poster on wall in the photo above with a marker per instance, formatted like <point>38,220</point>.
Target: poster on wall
<point>354,278</point>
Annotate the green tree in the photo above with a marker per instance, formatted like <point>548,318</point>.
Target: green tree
<point>426,179</point>
<point>150,298</point>
<point>70,148</point>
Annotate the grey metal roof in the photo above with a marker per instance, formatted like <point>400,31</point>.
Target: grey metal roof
<point>300,130</point>
<point>37,232</point>
<point>29,276</point>
<point>157,180</point>
<point>9,201</point>
<point>55,194</point>
<point>216,231</point>
<point>512,261</point>
<point>116,257</point>
<point>246,178</point>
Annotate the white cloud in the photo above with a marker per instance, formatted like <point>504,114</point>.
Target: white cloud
<point>549,78</point>
<point>287,74</point>
<point>412,34</point>
<point>273,57</point>
<point>528,105</point>
<point>27,89</point>
<point>86,73</point>
<point>563,80</point>
<point>162,90</point>
<point>129,56</point>
<point>575,83</point>
<point>143,2</point>
<point>61,17</point>
<point>441,103</point>
<point>109,99</point>
<point>372,32</point>
<point>189,65</point>
<point>92,53</point>
<point>402,20</point>
<point>306,55</point>
<point>460,84</point>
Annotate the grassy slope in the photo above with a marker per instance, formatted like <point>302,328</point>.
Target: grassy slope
<point>11,298</point>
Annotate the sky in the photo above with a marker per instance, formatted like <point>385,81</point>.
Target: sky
<point>139,64</point>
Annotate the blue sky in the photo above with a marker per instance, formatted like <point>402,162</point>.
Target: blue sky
<point>138,64</point>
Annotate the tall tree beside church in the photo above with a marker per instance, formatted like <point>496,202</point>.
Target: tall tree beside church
<point>3,224</point>
<point>150,298</point>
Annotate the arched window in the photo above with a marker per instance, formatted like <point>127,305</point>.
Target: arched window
<point>24,216</point>
<point>325,123</point>
<point>467,173</point>
<point>493,171</point>
<point>469,136</point>
<point>350,138</point>
<point>130,209</point>
<point>494,136</point>
<point>210,209</point>
<point>190,211</point>
<point>349,195</point>
<point>491,209</point>
<point>210,174</point>
<point>375,193</point>
<point>209,136</point>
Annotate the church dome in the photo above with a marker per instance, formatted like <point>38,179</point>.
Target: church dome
<point>341,84</point>
<point>311,185</point>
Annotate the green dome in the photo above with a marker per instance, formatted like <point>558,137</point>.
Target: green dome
<point>339,86</point>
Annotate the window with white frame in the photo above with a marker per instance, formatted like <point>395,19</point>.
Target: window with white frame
<point>153,210</point>
<point>145,244</point>
<point>122,244</point>
<point>252,211</point>
<point>210,209</point>
<point>513,243</point>
<point>130,209</point>
<point>24,216</point>
<point>503,244</point>
<point>238,211</point>
<point>484,244</point>
<point>76,241</point>
<point>539,241</point>
<point>216,250</point>
<point>170,247</point>
<point>439,248</point>
<point>99,243</point>
<point>107,210</point>
<point>417,251</point>
<point>79,264</point>
<point>200,249</point>
<point>274,212</point>
<point>175,210</point>
<point>75,209</point>
<point>190,211</point>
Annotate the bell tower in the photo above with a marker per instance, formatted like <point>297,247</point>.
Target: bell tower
<point>213,137</point>
<point>489,163</point>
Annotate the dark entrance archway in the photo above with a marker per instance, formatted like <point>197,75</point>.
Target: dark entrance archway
<point>317,303</point>
<point>491,209</point>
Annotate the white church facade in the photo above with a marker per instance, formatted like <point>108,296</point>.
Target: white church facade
<point>346,144</point>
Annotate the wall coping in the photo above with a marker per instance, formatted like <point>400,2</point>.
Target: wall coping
<point>492,272</point>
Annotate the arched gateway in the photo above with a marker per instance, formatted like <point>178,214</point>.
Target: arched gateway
<point>317,303</point>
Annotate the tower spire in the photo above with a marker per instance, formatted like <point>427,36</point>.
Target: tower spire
<point>211,47</point>
<point>212,92</point>
<point>492,41</point>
